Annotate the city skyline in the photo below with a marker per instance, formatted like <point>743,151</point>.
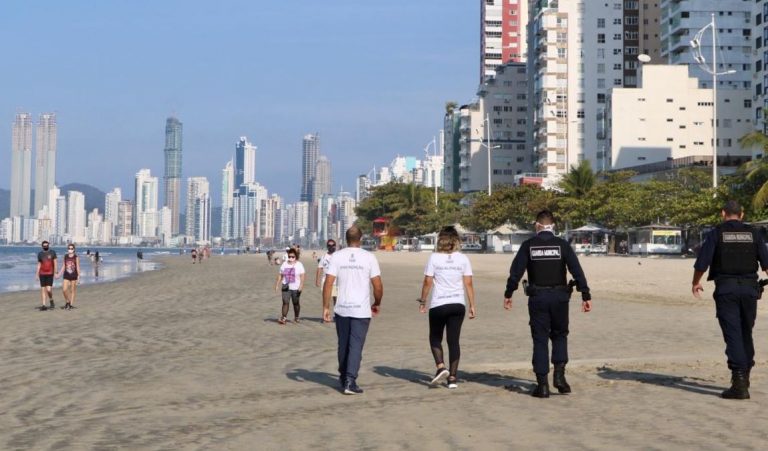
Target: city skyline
<point>111,116</point>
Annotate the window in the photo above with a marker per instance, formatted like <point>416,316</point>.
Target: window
<point>601,38</point>
<point>601,98</point>
<point>617,37</point>
<point>580,114</point>
<point>601,83</point>
<point>747,103</point>
<point>601,54</point>
<point>601,68</point>
<point>600,23</point>
<point>617,82</point>
<point>617,21</point>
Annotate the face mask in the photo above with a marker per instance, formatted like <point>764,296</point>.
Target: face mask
<point>546,228</point>
<point>45,248</point>
<point>70,251</point>
<point>331,249</point>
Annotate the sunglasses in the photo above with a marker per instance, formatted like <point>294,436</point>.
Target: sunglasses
<point>70,248</point>
<point>290,257</point>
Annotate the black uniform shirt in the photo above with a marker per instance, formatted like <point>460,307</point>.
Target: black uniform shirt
<point>708,247</point>
<point>520,264</point>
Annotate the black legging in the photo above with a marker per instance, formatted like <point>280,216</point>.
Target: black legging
<point>291,296</point>
<point>450,317</point>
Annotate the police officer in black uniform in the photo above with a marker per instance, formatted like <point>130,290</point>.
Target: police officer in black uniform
<point>732,251</point>
<point>546,258</point>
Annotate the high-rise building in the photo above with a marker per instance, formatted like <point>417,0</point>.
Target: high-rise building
<point>172,176</point>
<point>576,58</point>
<point>245,164</point>
<point>683,19</point>
<point>53,213</point>
<point>198,209</point>
<point>503,34</point>
<point>145,206</point>
<point>21,165</point>
<point>76,217</point>
<point>310,152</point>
<point>124,218</point>
<point>322,177</point>
<point>164,225</point>
<point>760,100</point>
<point>227,199</point>
<point>111,201</point>
<point>45,159</point>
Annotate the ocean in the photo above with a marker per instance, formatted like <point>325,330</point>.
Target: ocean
<point>18,264</point>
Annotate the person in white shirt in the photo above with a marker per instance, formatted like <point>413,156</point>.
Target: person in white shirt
<point>290,280</point>
<point>448,275</point>
<point>354,270</point>
<point>322,268</point>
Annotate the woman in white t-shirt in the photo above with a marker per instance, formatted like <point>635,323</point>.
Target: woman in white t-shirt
<point>290,280</point>
<point>449,275</point>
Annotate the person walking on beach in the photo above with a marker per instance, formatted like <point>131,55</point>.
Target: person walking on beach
<point>290,280</point>
<point>194,256</point>
<point>546,258</point>
<point>46,269</point>
<point>322,268</point>
<point>732,251</point>
<point>70,271</point>
<point>355,270</point>
<point>448,275</point>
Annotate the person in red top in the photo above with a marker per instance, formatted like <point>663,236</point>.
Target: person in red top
<point>46,268</point>
<point>71,272</point>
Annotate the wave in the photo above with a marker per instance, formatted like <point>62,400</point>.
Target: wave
<point>6,265</point>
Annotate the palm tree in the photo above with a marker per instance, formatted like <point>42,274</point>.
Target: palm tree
<point>756,171</point>
<point>579,180</point>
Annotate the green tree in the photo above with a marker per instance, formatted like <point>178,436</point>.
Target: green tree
<point>579,180</point>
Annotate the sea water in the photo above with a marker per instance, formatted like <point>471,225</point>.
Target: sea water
<point>19,263</point>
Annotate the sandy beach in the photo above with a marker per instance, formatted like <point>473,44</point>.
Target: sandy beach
<point>191,357</point>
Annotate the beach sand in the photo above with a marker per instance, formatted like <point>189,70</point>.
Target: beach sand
<point>191,357</point>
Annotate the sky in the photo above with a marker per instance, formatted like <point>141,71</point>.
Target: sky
<point>371,77</point>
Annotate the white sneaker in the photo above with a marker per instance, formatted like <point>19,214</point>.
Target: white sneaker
<point>453,384</point>
<point>440,375</point>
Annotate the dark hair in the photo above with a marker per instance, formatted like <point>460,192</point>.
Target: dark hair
<point>72,245</point>
<point>732,208</point>
<point>330,241</point>
<point>294,252</point>
<point>448,240</point>
<point>44,242</point>
<point>545,217</point>
<point>354,234</point>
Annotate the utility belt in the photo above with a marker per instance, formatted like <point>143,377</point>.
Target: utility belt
<point>533,290</point>
<point>744,281</point>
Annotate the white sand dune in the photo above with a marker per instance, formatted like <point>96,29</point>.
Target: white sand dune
<point>191,357</point>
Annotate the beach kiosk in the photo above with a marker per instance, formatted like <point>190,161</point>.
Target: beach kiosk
<point>589,239</point>
<point>656,239</point>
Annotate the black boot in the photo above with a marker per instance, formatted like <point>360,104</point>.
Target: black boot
<point>558,379</point>
<point>739,387</point>
<point>542,387</point>
<point>748,372</point>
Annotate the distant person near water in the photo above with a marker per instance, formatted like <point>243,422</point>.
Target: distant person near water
<point>547,259</point>
<point>355,270</point>
<point>290,280</point>
<point>70,271</point>
<point>732,252</point>
<point>194,256</point>
<point>46,269</point>
<point>448,275</point>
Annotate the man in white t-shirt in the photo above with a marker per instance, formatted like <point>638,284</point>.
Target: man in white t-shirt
<point>354,270</point>
<point>322,268</point>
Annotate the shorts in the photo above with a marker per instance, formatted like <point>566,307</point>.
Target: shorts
<point>70,277</point>
<point>46,280</point>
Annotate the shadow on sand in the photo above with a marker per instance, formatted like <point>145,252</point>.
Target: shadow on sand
<point>494,380</point>
<point>664,380</point>
<point>318,377</point>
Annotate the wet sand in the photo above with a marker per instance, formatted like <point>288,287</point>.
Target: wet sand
<point>191,357</point>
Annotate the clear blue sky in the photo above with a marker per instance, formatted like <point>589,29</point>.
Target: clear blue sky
<point>371,77</point>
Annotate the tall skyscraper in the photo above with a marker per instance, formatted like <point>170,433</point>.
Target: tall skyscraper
<point>21,165</point>
<point>45,159</point>
<point>503,34</point>
<point>172,177</point>
<point>310,152</point>
<point>111,200</point>
<point>145,206</point>
<point>198,209</point>
<point>76,216</point>
<point>245,164</point>
<point>227,199</point>
<point>322,177</point>
<point>124,218</point>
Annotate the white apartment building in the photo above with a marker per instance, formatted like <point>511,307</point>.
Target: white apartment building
<point>198,225</point>
<point>111,201</point>
<point>165,225</point>
<point>300,217</point>
<point>670,118</point>
<point>76,220</point>
<point>578,58</point>
<point>145,207</point>
<point>760,76</point>
<point>227,200</point>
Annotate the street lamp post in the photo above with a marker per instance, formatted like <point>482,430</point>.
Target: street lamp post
<point>698,56</point>
<point>489,147</point>
<point>434,171</point>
